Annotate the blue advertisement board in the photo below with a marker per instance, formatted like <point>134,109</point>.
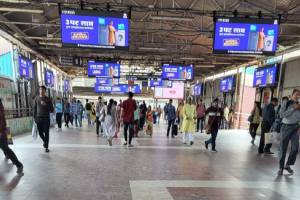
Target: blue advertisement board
<point>103,69</point>
<point>49,78</point>
<point>227,84</point>
<point>197,89</point>
<point>66,85</point>
<point>106,81</point>
<point>159,83</point>
<point>177,72</point>
<point>121,88</point>
<point>266,76</point>
<point>93,29</point>
<point>245,36</point>
<point>25,68</point>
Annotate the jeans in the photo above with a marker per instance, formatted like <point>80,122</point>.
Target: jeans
<point>67,119</point>
<point>142,123</point>
<point>213,138</point>
<point>59,119</point>
<point>253,129</point>
<point>88,116</point>
<point>43,125</point>
<point>78,120</point>
<point>130,126</point>
<point>265,128</point>
<point>289,133</point>
<point>9,153</point>
<point>170,124</point>
<point>200,124</point>
<point>98,125</point>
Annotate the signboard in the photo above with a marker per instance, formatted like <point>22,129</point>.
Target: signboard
<point>159,83</point>
<point>177,72</point>
<point>266,76</point>
<point>94,29</point>
<point>106,81</point>
<point>25,68</point>
<point>121,88</point>
<point>227,84</point>
<point>70,61</point>
<point>175,92</point>
<point>245,36</point>
<point>49,78</point>
<point>197,89</point>
<point>103,69</point>
<point>66,85</point>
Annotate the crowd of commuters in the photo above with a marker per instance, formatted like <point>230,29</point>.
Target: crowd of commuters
<point>188,118</point>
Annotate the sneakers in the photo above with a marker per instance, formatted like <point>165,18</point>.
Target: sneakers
<point>206,144</point>
<point>280,172</point>
<point>252,142</point>
<point>214,150</point>
<point>47,150</point>
<point>289,169</point>
<point>269,152</point>
<point>130,145</point>
<point>191,143</point>
<point>20,170</point>
<point>125,143</point>
<point>110,142</point>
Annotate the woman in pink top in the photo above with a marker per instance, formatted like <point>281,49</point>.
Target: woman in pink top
<point>200,115</point>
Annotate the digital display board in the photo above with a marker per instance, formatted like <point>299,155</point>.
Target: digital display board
<point>266,76</point>
<point>177,72</point>
<point>159,83</point>
<point>49,78</point>
<point>227,84</point>
<point>94,29</point>
<point>106,81</point>
<point>66,85</point>
<point>121,88</point>
<point>175,92</point>
<point>245,36</point>
<point>25,67</point>
<point>103,69</point>
<point>197,89</point>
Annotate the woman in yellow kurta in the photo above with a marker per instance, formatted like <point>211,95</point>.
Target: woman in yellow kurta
<point>188,125</point>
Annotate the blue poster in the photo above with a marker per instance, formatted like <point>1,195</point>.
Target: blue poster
<point>265,76</point>
<point>106,81</point>
<point>66,85</point>
<point>102,69</point>
<point>197,89</point>
<point>177,72</point>
<point>227,84</point>
<point>25,68</point>
<point>245,36</point>
<point>49,78</point>
<point>92,29</point>
<point>121,88</point>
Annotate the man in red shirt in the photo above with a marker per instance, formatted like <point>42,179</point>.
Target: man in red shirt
<point>129,107</point>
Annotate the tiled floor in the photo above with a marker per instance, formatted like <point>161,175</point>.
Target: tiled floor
<point>82,166</point>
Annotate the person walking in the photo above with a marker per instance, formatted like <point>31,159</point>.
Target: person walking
<point>226,116</point>
<point>188,124</point>
<point>254,120</point>
<point>149,119</point>
<point>136,120</point>
<point>9,154</point>
<point>165,113</point>
<point>41,113</point>
<point>93,114</point>
<point>171,116</point>
<point>128,108</point>
<point>110,121</point>
<point>88,110</point>
<point>159,113</point>
<point>67,109</point>
<point>143,110</point>
<point>200,115</point>
<point>268,118</point>
<point>119,117</point>
<point>290,113</point>
<point>215,115</point>
<point>99,107</point>
<point>59,113</point>
<point>80,110</point>
<point>180,114</point>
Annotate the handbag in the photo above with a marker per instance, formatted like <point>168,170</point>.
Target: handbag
<point>34,131</point>
<point>269,138</point>
<point>250,118</point>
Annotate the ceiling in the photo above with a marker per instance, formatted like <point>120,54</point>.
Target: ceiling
<point>191,40</point>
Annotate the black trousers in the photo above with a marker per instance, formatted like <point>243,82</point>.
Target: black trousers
<point>253,129</point>
<point>200,124</point>
<point>59,119</point>
<point>142,122</point>
<point>67,119</point>
<point>98,125</point>
<point>265,128</point>
<point>43,125</point>
<point>9,153</point>
<point>170,124</point>
<point>129,126</point>
<point>213,138</point>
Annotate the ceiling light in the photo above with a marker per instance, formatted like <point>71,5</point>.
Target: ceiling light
<point>171,18</point>
<point>14,1</point>
<point>205,66</point>
<point>191,58</point>
<point>152,49</point>
<point>24,10</point>
<point>50,44</point>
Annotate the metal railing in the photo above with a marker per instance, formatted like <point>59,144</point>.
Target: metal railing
<point>17,113</point>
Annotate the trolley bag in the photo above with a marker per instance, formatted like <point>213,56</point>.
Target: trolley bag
<point>175,129</point>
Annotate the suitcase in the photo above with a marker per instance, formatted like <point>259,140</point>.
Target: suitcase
<point>175,129</point>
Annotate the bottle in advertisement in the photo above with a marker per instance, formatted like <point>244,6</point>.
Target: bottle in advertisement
<point>268,43</point>
<point>102,31</point>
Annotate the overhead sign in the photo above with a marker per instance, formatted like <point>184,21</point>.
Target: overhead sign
<point>106,81</point>
<point>266,76</point>
<point>121,88</point>
<point>70,61</point>
<point>66,85</point>
<point>94,29</point>
<point>226,84</point>
<point>245,36</point>
<point>159,83</point>
<point>103,69</point>
<point>25,68</point>
<point>177,72</point>
<point>197,89</point>
<point>49,78</point>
